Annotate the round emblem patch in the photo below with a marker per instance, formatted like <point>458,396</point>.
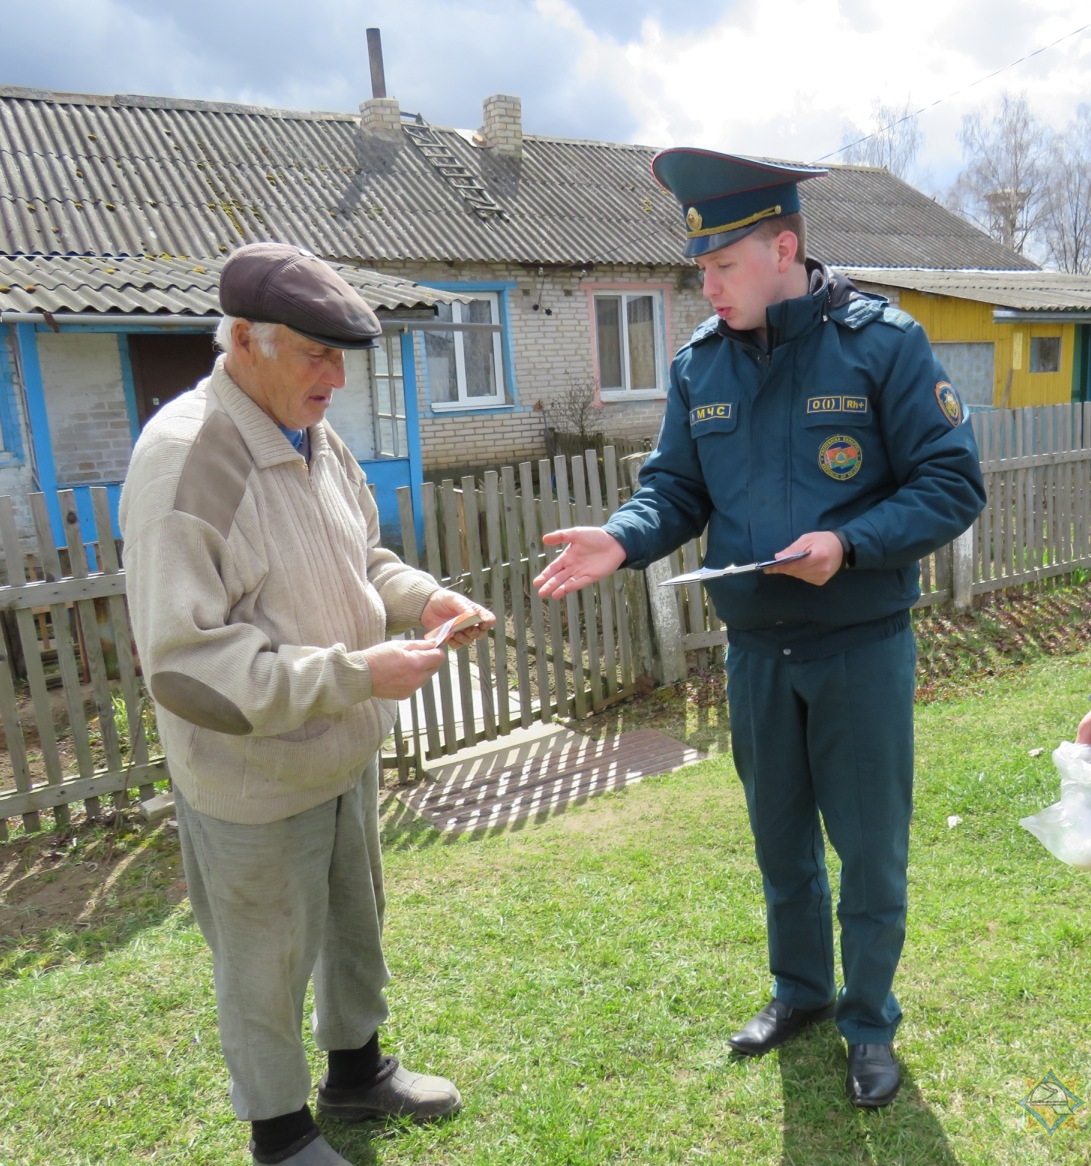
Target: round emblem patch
<point>949,402</point>
<point>693,219</point>
<point>840,457</point>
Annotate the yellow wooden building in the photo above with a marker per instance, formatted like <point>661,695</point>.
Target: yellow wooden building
<point>1005,338</point>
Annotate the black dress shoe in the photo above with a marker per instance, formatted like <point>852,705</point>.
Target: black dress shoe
<point>774,1025</point>
<point>874,1077</point>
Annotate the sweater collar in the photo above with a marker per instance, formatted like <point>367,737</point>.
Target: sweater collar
<point>263,436</point>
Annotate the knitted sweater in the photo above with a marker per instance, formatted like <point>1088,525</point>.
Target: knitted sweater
<point>254,581</point>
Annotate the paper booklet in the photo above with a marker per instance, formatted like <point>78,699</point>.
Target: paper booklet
<point>706,573</point>
<point>440,635</point>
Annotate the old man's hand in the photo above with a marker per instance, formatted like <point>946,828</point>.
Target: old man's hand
<point>399,667</point>
<point>444,605</point>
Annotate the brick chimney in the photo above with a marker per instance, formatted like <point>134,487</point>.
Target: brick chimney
<point>379,115</point>
<point>502,130</point>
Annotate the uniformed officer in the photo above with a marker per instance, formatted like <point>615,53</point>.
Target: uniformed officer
<point>807,416</point>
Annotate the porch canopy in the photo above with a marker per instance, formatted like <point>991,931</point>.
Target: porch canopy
<point>102,288</point>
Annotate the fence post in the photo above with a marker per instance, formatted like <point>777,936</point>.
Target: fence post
<point>962,570</point>
<point>668,657</point>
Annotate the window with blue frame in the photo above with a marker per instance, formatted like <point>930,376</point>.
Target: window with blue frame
<point>465,367</point>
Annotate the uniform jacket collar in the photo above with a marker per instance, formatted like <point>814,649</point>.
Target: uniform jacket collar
<point>787,321</point>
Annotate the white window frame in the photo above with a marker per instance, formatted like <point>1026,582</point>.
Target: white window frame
<point>626,392</point>
<point>395,378</point>
<point>465,401</point>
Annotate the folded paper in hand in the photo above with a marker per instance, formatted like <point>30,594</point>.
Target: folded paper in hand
<point>716,572</point>
<point>440,635</point>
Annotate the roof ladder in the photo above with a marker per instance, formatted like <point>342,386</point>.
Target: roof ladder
<point>451,169</point>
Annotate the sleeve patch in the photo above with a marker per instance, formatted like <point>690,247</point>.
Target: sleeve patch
<point>948,401</point>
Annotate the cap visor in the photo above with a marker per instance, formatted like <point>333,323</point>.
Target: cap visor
<point>337,341</point>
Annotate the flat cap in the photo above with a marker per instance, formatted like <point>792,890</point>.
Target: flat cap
<point>726,196</point>
<point>275,283</point>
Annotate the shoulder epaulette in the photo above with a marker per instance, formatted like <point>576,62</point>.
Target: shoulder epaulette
<point>901,320</point>
<point>862,310</point>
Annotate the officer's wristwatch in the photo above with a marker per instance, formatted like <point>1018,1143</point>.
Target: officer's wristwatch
<point>848,551</point>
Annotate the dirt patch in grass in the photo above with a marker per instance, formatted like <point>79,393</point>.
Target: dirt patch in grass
<point>960,651</point>
<point>81,890</point>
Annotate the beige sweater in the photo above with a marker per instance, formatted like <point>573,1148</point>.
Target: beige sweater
<point>254,581</point>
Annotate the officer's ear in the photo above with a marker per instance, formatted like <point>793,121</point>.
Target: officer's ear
<point>785,247</point>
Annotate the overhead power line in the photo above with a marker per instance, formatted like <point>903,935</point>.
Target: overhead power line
<point>956,93</point>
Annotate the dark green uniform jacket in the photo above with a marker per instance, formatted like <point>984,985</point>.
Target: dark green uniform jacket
<point>843,421</point>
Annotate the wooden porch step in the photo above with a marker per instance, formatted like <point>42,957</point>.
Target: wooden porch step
<point>499,783</point>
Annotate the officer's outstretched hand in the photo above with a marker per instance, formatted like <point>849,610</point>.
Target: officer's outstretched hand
<point>820,565</point>
<point>591,555</point>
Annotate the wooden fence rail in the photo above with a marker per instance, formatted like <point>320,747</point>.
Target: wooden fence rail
<point>74,711</point>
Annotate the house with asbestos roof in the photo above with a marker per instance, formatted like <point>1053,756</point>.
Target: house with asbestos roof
<point>510,270</point>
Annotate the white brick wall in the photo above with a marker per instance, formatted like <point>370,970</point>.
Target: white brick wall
<point>88,421</point>
<point>548,351</point>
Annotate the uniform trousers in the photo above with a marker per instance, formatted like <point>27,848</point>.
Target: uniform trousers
<point>277,903</point>
<point>830,741</point>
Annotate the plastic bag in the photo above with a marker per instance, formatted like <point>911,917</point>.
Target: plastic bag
<point>1064,828</point>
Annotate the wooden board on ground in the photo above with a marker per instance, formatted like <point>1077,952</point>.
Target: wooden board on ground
<point>538,774</point>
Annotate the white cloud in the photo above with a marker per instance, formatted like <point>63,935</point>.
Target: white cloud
<point>788,79</point>
<point>783,80</point>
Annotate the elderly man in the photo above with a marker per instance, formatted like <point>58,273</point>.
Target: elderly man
<point>807,422</point>
<point>262,602</point>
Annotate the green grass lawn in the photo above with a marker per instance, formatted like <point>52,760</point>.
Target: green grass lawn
<point>578,977</point>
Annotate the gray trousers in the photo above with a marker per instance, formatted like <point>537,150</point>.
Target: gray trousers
<point>277,903</point>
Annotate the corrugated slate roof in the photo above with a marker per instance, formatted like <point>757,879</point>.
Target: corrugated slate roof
<point>866,217</point>
<point>75,283</point>
<point>137,175</point>
<point>1027,291</point>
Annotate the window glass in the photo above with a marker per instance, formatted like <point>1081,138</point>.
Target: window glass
<point>1045,354</point>
<point>439,355</point>
<point>608,328</point>
<point>641,321</point>
<point>478,348</point>
<point>629,342</point>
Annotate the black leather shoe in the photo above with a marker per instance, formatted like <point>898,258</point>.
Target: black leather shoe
<point>775,1025</point>
<point>874,1077</point>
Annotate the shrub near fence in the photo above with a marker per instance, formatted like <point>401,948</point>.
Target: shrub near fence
<point>70,693</point>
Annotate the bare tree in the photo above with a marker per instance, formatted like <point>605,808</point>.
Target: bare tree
<point>1004,187</point>
<point>573,411</point>
<point>893,139</point>
<point>1067,219</point>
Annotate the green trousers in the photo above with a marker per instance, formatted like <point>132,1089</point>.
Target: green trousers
<point>830,741</point>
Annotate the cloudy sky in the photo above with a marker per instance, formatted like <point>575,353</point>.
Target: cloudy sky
<point>784,80</point>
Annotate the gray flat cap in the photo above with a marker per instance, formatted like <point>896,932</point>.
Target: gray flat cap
<point>275,283</point>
